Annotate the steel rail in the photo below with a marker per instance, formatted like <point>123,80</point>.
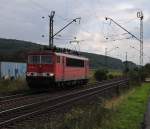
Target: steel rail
<point>22,97</point>
<point>10,96</point>
<point>15,96</point>
<point>58,101</point>
<point>58,97</point>
<point>53,107</point>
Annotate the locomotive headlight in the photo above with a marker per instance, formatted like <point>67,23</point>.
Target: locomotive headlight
<point>51,74</point>
<point>29,74</point>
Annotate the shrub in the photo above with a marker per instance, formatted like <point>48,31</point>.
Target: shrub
<point>10,86</point>
<point>137,75</point>
<point>111,76</point>
<point>101,74</point>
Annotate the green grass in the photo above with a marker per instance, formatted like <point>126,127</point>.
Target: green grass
<point>128,114</point>
<point>91,76</point>
<point>115,72</point>
<point>12,86</point>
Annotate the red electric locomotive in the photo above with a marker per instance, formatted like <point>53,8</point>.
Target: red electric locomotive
<point>47,68</point>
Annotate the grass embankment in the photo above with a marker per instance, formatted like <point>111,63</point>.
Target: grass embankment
<point>12,86</point>
<point>124,112</point>
<point>91,76</point>
<point>115,72</point>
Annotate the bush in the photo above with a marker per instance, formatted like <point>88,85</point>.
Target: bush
<point>134,76</point>
<point>137,75</point>
<point>12,86</point>
<point>101,74</point>
<point>111,76</point>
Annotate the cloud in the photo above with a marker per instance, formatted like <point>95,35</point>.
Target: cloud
<point>21,19</point>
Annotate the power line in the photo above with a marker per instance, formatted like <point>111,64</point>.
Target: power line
<point>128,21</point>
<point>46,10</point>
<point>118,39</point>
<point>140,16</point>
<point>39,6</point>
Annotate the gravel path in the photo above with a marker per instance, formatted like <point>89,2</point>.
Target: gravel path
<point>147,117</point>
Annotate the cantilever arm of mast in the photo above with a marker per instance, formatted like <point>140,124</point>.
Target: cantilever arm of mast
<point>74,20</point>
<point>123,28</point>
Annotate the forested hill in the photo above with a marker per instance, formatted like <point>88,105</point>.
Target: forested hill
<point>99,61</point>
<point>15,50</point>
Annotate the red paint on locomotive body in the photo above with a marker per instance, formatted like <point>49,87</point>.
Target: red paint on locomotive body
<point>56,68</point>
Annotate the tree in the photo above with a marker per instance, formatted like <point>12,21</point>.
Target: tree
<point>101,74</point>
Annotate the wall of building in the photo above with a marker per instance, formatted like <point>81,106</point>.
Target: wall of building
<point>12,69</point>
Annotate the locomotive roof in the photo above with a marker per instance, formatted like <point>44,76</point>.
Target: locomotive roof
<point>59,54</point>
<point>71,56</point>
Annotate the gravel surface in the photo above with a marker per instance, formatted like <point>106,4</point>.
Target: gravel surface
<point>147,117</point>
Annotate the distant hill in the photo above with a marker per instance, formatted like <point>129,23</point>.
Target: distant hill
<point>99,61</point>
<point>16,50</point>
<point>11,45</point>
<point>130,64</point>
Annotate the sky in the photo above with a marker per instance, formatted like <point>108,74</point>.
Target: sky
<point>22,20</point>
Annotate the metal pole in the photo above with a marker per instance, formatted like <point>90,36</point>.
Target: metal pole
<point>140,15</point>
<point>51,29</point>
<point>126,62</point>
<point>106,57</point>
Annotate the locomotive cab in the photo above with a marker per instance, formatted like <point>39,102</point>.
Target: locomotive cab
<point>40,69</point>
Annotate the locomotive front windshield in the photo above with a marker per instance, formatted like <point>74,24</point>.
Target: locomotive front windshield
<point>39,59</point>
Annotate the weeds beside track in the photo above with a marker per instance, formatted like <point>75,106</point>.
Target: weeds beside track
<point>16,114</point>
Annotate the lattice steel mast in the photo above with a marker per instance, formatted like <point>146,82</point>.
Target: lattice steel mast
<point>140,15</point>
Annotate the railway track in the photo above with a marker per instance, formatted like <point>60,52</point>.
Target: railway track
<point>24,100</point>
<point>11,96</point>
<point>19,113</point>
<point>13,101</point>
<point>14,96</point>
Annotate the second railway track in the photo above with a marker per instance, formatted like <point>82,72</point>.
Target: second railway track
<point>18,113</point>
<point>14,101</point>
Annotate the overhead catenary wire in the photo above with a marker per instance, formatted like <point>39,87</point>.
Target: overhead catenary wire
<point>139,51</point>
<point>44,9</point>
<point>39,6</point>
<point>128,21</point>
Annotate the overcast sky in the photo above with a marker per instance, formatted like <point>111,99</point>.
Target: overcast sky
<point>22,20</point>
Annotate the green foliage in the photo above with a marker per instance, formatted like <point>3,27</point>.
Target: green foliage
<point>101,74</point>
<point>138,75</point>
<point>128,115</point>
<point>91,76</point>
<point>134,76</point>
<point>9,86</point>
<point>146,70</point>
<point>114,74</point>
<point>111,76</point>
<point>89,117</point>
